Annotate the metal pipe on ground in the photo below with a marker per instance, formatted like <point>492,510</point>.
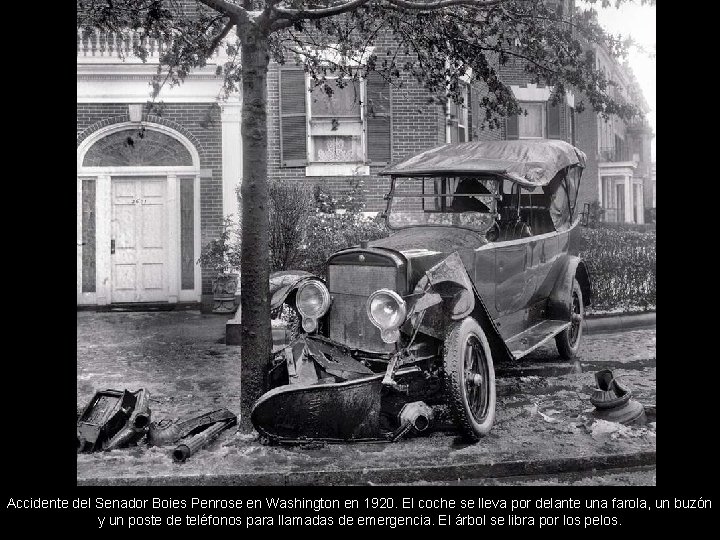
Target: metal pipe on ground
<point>192,444</point>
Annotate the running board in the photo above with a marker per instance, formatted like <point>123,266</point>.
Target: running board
<point>533,337</point>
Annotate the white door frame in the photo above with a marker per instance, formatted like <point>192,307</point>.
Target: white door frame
<point>103,215</point>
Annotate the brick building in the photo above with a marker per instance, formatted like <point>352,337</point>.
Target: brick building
<point>332,142</point>
<point>619,171</point>
<point>152,186</point>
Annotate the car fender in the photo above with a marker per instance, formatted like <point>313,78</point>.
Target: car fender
<point>284,282</point>
<point>447,294</point>
<point>558,304</point>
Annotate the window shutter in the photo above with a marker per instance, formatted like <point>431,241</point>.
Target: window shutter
<point>553,120</point>
<point>512,129</point>
<point>377,108</point>
<point>474,121</point>
<point>293,125</point>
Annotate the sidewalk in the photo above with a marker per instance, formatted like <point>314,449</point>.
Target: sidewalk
<point>542,422</point>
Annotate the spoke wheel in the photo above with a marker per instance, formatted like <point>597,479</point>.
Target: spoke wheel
<point>469,379</point>
<point>568,341</point>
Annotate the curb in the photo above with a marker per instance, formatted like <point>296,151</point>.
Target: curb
<point>391,475</point>
<point>602,325</point>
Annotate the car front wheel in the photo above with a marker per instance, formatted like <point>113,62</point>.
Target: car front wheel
<point>568,341</point>
<point>469,378</point>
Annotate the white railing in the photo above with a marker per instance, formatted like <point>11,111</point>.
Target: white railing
<point>98,46</point>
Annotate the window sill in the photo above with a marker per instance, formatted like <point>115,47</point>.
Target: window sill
<point>337,169</point>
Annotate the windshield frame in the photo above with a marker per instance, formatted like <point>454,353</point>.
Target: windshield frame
<point>391,196</point>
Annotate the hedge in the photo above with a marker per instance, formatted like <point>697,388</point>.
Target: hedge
<point>307,226</point>
<point>621,263</point>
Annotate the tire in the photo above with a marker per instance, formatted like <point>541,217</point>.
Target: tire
<point>568,341</point>
<point>472,402</point>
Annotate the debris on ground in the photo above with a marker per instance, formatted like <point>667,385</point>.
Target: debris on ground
<point>113,419</point>
<point>613,402</point>
<point>118,418</point>
<point>191,444</point>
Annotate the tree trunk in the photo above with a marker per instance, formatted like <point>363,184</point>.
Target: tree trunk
<point>255,259</point>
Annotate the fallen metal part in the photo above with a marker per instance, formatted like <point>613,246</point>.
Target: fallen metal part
<point>416,416</point>
<point>191,445</point>
<point>348,411</point>
<point>332,396</point>
<point>613,402</point>
<point>609,393</point>
<point>631,413</point>
<point>103,417</point>
<point>137,425</point>
<point>167,431</point>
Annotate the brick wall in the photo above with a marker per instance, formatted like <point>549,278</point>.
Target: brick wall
<point>200,122</point>
<point>416,126</point>
<point>587,141</point>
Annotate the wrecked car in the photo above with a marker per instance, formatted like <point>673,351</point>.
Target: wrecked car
<point>480,269</point>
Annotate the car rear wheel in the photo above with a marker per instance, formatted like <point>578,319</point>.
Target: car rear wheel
<point>568,341</point>
<point>469,378</point>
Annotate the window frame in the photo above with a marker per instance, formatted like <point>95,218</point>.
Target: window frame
<point>451,124</point>
<point>310,143</point>
<point>543,119</point>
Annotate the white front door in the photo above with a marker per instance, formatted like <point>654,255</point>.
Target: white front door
<point>139,240</point>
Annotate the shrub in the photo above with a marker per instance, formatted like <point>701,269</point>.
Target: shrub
<point>291,205</point>
<point>222,254</point>
<point>622,269</point>
<point>328,233</point>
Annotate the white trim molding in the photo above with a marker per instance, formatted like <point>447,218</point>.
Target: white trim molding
<point>531,92</point>
<point>103,213</point>
<point>337,169</point>
<point>232,162</point>
<point>570,99</point>
<point>95,136</point>
<point>118,83</point>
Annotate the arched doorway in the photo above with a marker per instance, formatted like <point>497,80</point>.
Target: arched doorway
<point>138,207</point>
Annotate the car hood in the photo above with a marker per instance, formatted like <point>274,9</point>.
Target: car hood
<point>423,247</point>
<point>416,240</point>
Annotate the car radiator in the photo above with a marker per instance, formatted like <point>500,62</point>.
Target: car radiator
<point>350,286</point>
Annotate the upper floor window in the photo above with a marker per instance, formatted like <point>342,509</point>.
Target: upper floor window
<point>457,119</point>
<point>336,122</point>
<point>336,133</point>
<point>532,125</point>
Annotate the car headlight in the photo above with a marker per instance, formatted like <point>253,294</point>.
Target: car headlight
<point>312,301</point>
<point>387,311</point>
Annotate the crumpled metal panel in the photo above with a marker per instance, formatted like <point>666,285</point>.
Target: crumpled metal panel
<point>113,419</point>
<point>283,282</point>
<point>168,431</point>
<point>449,279</point>
<point>530,163</point>
<point>343,411</point>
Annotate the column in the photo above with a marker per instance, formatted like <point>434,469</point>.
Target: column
<point>628,199</point>
<point>173,223</point>
<point>641,204</point>
<point>103,230</point>
<point>230,115</point>
<point>79,240</point>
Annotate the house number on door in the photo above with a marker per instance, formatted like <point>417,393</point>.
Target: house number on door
<point>139,201</point>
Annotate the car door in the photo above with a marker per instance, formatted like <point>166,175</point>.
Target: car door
<point>510,283</point>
